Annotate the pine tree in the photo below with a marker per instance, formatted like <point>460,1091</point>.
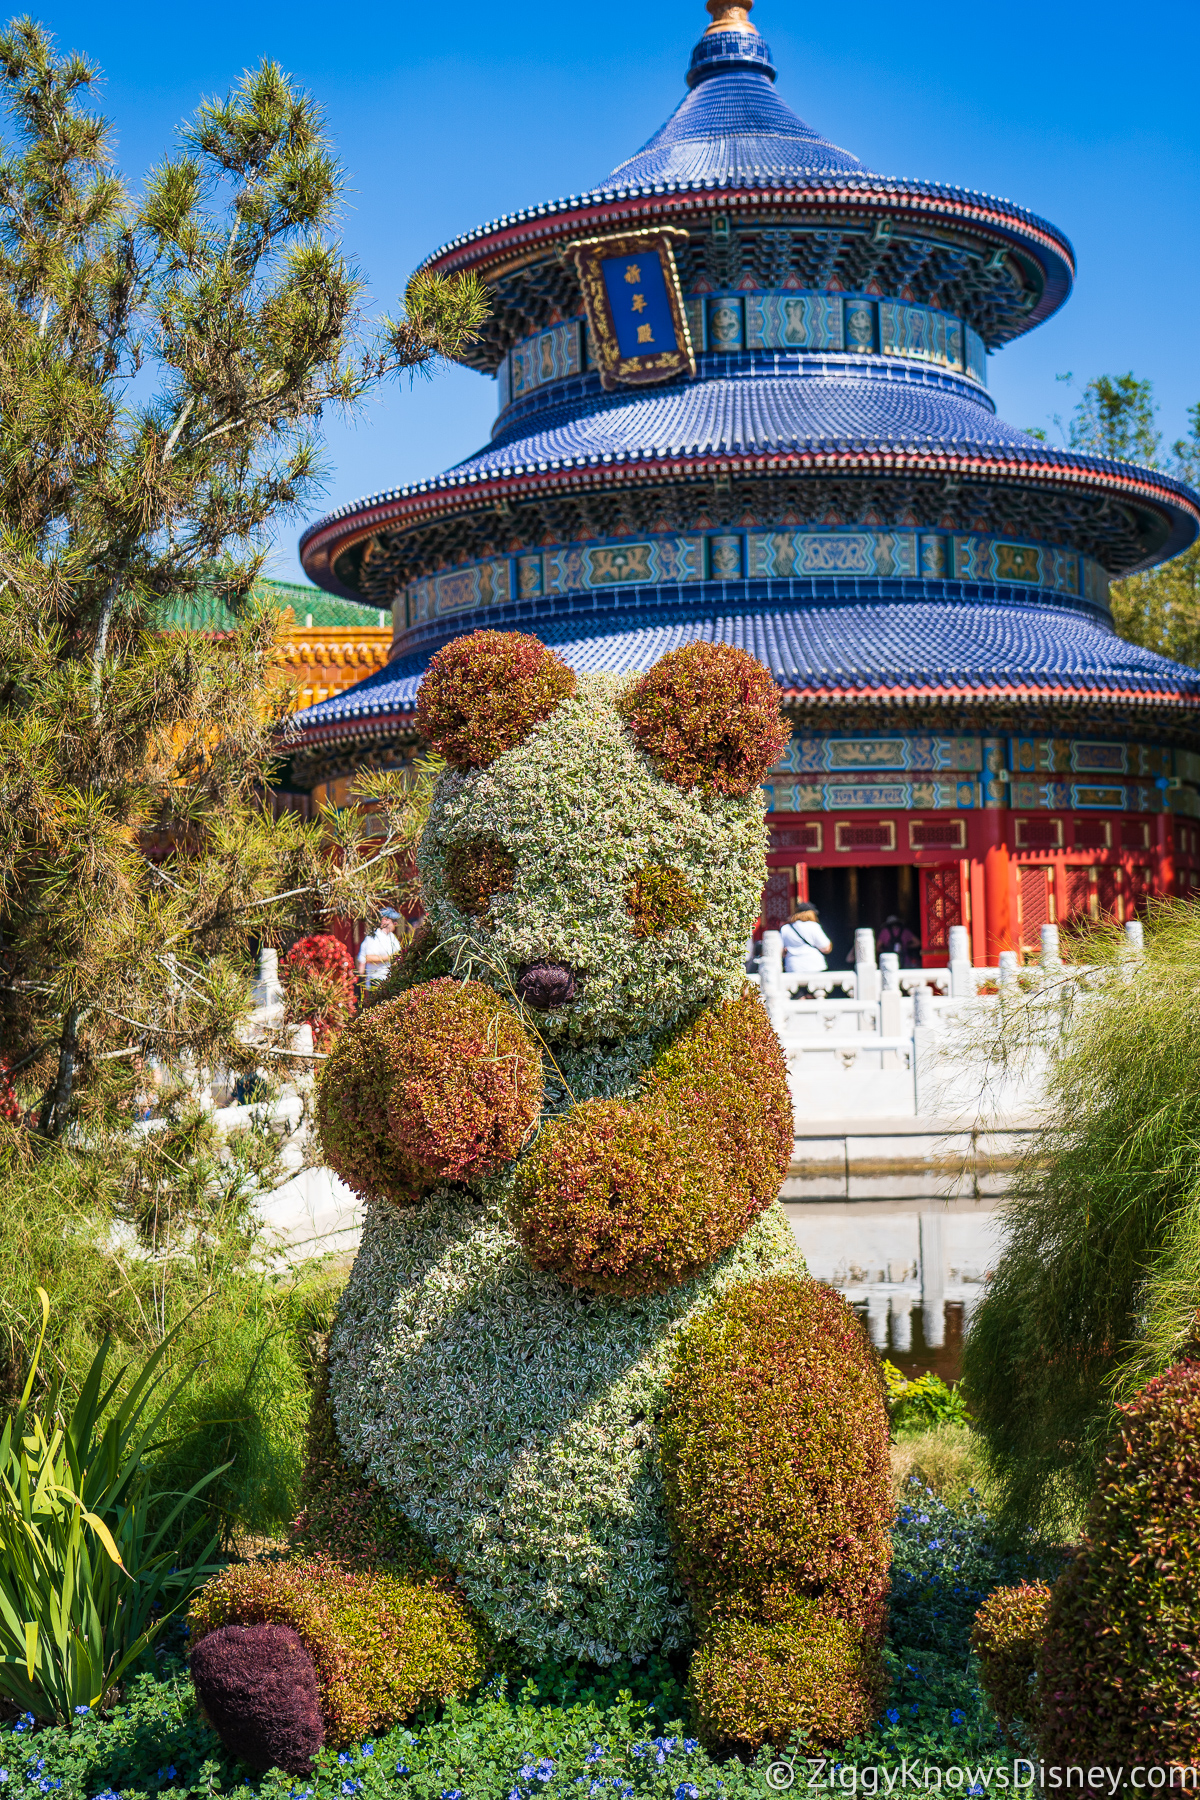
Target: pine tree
<point>166,360</point>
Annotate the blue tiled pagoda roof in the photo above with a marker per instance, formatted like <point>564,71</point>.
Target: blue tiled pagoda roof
<point>733,129</point>
<point>902,424</point>
<point>898,648</point>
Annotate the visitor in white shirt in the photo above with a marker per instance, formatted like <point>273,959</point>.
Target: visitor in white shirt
<point>805,945</point>
<point>375,953</point>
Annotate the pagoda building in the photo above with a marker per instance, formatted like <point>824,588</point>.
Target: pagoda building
<point>742,396</point>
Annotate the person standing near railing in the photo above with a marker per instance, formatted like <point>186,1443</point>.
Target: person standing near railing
<point>805,945</point>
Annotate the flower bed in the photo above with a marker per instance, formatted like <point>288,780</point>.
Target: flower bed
<point>569,1730</point>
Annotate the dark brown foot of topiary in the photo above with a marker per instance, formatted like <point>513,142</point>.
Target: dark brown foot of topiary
<point>258,1688</point>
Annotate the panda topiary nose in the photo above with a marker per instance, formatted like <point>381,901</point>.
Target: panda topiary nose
<point>545,985</point>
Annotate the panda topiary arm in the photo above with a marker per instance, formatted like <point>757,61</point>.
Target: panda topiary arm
<point>632,1197</point>
<point>439,1083</point>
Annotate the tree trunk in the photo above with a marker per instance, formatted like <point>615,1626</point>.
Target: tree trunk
<point>56,1103</point>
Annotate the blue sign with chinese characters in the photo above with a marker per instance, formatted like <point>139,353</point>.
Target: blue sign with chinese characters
<point>641,309</point>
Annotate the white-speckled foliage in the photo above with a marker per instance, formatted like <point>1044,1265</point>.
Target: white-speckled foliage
<point>512,1419</point>
<point>581,809</point>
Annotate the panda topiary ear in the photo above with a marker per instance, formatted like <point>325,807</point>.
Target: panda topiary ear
<point>707,716</point>
<point>484,692</point>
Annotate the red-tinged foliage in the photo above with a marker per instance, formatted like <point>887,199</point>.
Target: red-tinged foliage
<point>659,900</point>
<point>484,692</point>
<point>257,1687</point>
<point>476,872</point>
<point>318,982</point>
<point>438,1084</point>
<point>1007,1637</point>
<point>755,1684</point>
<point>632,1197</point>
<point>707,716</point>
<point>1120,1664</point>
<point>382,1645</point>
<point>773,1445</point>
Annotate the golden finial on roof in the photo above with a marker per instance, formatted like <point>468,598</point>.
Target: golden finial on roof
<point>730,15</point>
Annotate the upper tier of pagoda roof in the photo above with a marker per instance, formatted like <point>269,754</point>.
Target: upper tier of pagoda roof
<point>734,142</point>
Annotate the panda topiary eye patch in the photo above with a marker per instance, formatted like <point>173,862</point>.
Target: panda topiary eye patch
<point>475,872</point>
<point>707,716</point>
<point>659,900</point>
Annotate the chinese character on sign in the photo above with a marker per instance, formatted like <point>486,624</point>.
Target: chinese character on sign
<point>638,303</point>
<point>645,335</point>
<point>633,274</point>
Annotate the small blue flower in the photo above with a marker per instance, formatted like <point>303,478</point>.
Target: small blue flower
<point>687,1790</point>
<point>451,1794</point>
<point>344,1757</point>
<point>958,1716</point>
<point>913,1709</point>
<point>81,1710</point>
<point>402,1768</point>
<point>640,1750</point>
<point>690,1745</point>
<point>594,1754</point>
<point>368,1749</point>
<point>24,1723</point>
<point>893,1717</point>
<point>350,1787</point>
<point>3,1774</point>
<point>545,1769</point>
<point>976,1787</point>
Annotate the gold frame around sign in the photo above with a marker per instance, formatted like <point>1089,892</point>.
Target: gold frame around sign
<point>617,370</point>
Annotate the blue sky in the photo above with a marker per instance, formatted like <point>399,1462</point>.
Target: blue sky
<point>446,115</point>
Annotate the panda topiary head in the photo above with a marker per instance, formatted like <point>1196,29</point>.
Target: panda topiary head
<point>597,847</point>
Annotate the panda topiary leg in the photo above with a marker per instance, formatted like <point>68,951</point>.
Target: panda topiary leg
<point>774,1453</point>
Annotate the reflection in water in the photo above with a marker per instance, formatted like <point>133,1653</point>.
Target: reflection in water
<point>945,1360</point>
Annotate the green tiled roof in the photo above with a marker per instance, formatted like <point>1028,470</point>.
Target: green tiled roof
<point>206,613</point>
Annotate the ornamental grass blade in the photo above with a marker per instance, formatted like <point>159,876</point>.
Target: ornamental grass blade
<point>31,1644</point>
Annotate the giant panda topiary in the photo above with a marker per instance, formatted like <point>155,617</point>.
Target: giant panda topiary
<point>578,1350</point>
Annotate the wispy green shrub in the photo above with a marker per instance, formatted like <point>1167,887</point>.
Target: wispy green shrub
<point>1099,1283</point>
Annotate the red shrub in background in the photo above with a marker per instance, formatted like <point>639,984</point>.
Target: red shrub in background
<point>438,1084</point>
<point>318,980</point>
<point>774,1450</point>
<point>484,692</point>
<point>10,1106</point>
<point>707,716</point>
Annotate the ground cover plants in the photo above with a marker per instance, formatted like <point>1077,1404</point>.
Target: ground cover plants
<point>558,1728</point>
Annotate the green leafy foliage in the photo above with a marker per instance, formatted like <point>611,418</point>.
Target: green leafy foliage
<point>511,1419</point>
<point>922,1400</point>
<point>1096,1288</point>
<point>165,365</point>
<point>239,1364</point>
<point>86,1578</point>
<point>614,1198</point>
<point>660,900</point>
<point>581,812</point>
